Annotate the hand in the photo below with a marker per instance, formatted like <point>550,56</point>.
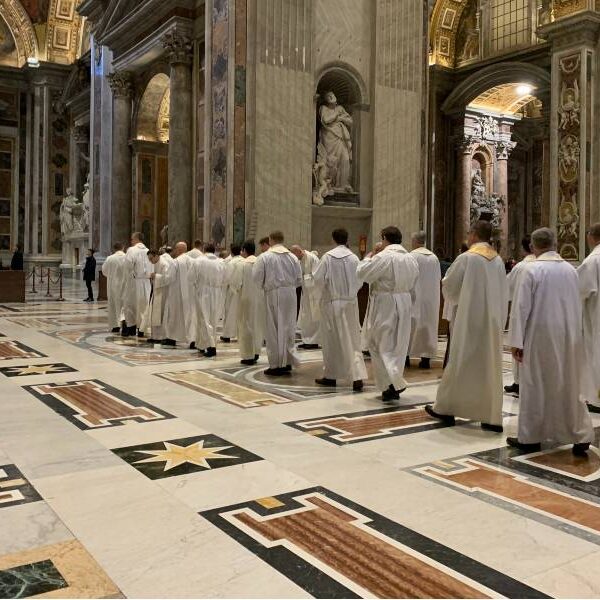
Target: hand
<point>369,255</point>
<point>517,354</point>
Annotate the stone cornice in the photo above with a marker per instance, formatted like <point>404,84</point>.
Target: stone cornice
<point>579,29</point>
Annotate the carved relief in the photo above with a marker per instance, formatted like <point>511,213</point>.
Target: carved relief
<point>569,151</point>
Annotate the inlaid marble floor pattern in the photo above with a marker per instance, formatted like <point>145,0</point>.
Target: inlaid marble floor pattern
<point>135,471</point>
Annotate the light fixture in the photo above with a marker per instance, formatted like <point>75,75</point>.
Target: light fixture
<point>33,62</point>
<point>524,89</point>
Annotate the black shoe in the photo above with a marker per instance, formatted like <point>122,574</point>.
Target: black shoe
<point>201,350</point>
<point>407,362</point>
<point>115,330</point>
<point>132,330</point>
<point>256,357</point>
<point>140,334</point>
<point>124,331</point>
<point>581,449</point>
<point>210,352</point>
<point>495,428</point>
<point>277,372</point>
<point>448,419</point>
<point>193,346</point>
<point>425,363</point>
<point>151,341</point>
<point>512,389</point>
<point>171,343</point>
<point>513,442</point>
<point>225,340</point>
<point>358,385</point>
<point>248,361</point>
<point>390,394</point>
<point>86,299</point>
<point>366,354</point>
<point>592,408</point>
<point>324,381</point>
<point>288,368</point>
<point>308,346</point>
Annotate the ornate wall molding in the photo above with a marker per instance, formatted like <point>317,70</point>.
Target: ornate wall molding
<point>63,36</point>
<point>20,25</point>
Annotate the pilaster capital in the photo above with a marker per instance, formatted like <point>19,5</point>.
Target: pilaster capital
<point>504,150</point>
<point>178,47</point>
<point>465,144</point>
<point>121,84</point>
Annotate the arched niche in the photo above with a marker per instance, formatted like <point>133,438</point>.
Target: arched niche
<point>152,123</point>
<point>350,92</point>
<point>483,160</point>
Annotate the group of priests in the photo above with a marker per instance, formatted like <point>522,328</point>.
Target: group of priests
<point>194,297</point>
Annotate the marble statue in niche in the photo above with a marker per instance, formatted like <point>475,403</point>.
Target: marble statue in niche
<point>85,200</point>
<point>70,214</point>
<point>483,206</point>
<point>332,169</point>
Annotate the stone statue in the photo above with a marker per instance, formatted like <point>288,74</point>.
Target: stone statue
<point>322,185</point>
<point>85,215</point>
<point>334,149</point>
<point>484,206</point>
<point>70,211</point>
<point>164,235</point>
<point>570,106</point>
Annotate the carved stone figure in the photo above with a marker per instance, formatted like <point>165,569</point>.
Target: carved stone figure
<point>164,235</point>
<point>322,185</point>
<point>70,213</point>
<point>85,215</point>
<point>483,206</point>
<point>489,128</point>
<point>335,143</point>
<point>568,158</point>
<point>570,106</point>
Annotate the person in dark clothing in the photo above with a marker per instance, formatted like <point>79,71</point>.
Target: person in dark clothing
<point>16,263</point>
<point>89,274</point>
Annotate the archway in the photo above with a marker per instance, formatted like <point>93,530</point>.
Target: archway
<point>21,29</point>
<point>151,163</point>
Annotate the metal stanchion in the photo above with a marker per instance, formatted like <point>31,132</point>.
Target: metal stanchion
<point>60,287</point>
<point>48,294</point>
<point>33,290</point>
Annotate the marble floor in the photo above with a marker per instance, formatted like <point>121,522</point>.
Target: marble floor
<point>135,471</point>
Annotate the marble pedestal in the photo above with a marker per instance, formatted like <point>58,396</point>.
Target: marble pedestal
<point>74,249</point>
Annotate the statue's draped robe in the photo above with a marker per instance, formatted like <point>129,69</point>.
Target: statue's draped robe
<point>180,313</point>
<point>250,313</point>
<point>114,271</point>
<point>589,287</point>
<point>546,325</point>
<point>137,269</point>
<point>277,272</point>
<point>514,278</point>
<point>230,315</point>
<point>336,278</point>
<point>392,275</point>
<point>208,276</point>
<point>426,317</point>
<point>336,144</point>
<point>309,316</point>
<point>471,386</point>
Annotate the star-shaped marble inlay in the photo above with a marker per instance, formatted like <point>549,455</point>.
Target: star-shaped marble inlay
<point>174,455</point>
<point>25,370</point>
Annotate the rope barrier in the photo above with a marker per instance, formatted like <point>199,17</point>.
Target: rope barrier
<point>45,274</point>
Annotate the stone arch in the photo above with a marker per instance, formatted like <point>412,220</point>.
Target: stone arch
<point>21,29</point>
<point>444,26</point>
<point>153,110</point>
<point>493,76</point>
<point>344,80</point>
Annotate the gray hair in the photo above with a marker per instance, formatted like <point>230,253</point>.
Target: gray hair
<point>420,237</point>
<point>544,239</point>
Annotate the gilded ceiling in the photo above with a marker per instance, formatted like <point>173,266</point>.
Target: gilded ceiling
<point>507,99</point>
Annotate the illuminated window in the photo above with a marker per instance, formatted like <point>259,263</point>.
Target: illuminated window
<point>510,24</point>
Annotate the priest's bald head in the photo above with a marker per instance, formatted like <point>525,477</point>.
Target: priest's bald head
<point>418,239</point>
<point>297,251</point>
<point>180,248</point>
<point>543,240</point>
<point>481,231</point>
<point>593,235</point>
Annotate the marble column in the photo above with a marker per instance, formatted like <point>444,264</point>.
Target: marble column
<point>179,53</point>
<point>503,150</point>
<point>462,217</point>
<point>574,146</point>
<point>121,204</point>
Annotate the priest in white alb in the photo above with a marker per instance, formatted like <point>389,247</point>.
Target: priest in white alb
<point>309,315</point>
<point>179,315</point>
<point>546,339</point>
<point>153,319</point>
<point>250,311</point>
<point>230,314</point>
<point>136,295</point>
<point>336,278</point>
<point>471,386</point>
<point>208,275</point>
<point>113,270</point>
<point>392,276</point>
<point>197,250</point>
<point>514,278</point>
<point>426,316</point>
<point>278,273</point>
<point>589,288</point>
